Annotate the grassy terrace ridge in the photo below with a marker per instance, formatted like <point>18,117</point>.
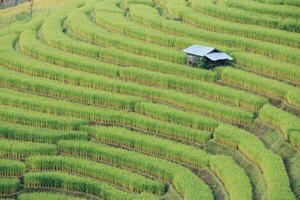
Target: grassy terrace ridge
<point>46,196</point>
<point>97,101</point>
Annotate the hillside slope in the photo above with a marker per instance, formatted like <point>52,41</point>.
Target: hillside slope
<point>97,102</point>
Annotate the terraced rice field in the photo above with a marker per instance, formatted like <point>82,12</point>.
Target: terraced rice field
<point>97,102</point>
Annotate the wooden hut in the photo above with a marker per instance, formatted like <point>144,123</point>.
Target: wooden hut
<point>207,57</point>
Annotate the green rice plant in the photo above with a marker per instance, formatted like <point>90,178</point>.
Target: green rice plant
<point>173,11</point>
<point>27,133</point>
<point>293,97</point>
<point>273,10</point>
<point>110,6</point>
<point>147,63</point>
<point>292,3</point>
<point>255,83</point>
<point>214,24</point>
<point>56,180</point>
<point>46,196</point>
<point>172,115</point>
<point>212,91</point>
<point>30,45</point>
<point>261,47</point>
<point>184,181</point>
<point>284,121</point>
<point>144,2</point>
<point>243,16</point>
<point>87,7</point>
<point>179,153</point>
<point>241,117</point>
<point>234,116</point>
<point>9,186</point>
<point>18,26</point>
<point>51,31</point>
<point>123,58</point>
<point>150,145</point>
<point>39,120</point>
<point>155,111</point>
<point>94,115</point>
<point>294,138</point>
<point>267,67</point>
<point>148,16</point>
<point>79,23</point>
<point>276,2</point>
<point>131,104</point>
<point>280,2</point>
<point>271,165</point>
<point>20,150</point>
<point>148,78</point>
<point>222,94</point>
<point>61,41</point>
<point>13,28</point>
<point>229,172</point>
<point>117,22</point>
<point>66,91</point>
<point>154,65</point>
<point>203,106</point>
<point>11,168</point>
<point>111,175</point>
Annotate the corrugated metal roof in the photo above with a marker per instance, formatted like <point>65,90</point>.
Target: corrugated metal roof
<point>218,56</point>
<point>210,52</point>
<point>198,50</point>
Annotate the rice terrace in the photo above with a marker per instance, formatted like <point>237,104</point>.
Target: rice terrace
<point>150,99</point>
